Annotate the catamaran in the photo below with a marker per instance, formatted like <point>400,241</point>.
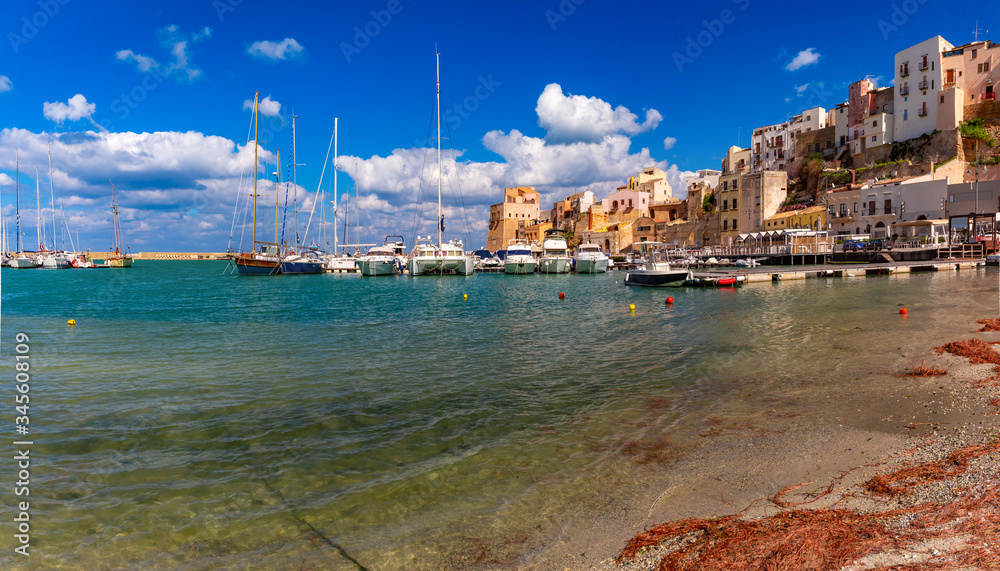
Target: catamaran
<point>439,258</point>
<point>21,260</point>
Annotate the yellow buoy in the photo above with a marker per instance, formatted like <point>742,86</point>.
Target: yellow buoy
<point>631,307</point>
<point>465,296</point>
<point>71,322</point>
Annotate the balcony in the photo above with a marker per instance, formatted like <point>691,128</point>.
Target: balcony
<point>922,112</point>
<point>922,66</point>
<point>989,96</point>
<point>905,90</point>
<point>905,72</point>
<point>922,86</point>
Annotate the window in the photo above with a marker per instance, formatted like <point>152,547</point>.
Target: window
<point>875,123</point>
<point>725,205</point>
<point>888,206</point>
<point>725,224</point>
<point>871,208</point>
<point>734,208</point>
<point>904,114</point>
<point>873,138</point>
<point>758,201</point>
<point>856,209</point>
<point>843,209</point>
<point>942,99</point>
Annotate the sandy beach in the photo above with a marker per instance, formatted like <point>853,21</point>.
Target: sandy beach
<point>904,474</point>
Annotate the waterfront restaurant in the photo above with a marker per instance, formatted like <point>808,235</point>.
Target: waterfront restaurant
<point>921,232</point>
<point>786,241</point>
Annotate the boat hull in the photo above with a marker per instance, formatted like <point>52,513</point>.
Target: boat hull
<point>441,265</point>
<point>308,267</point>
<point>591,266</point>
<point>22,263</point>
<point>124,262</point>
<point>515,267</point>
<point>378,267</point>
<point>657,278</point>
<point>250,266</point>
<point>554,265</point>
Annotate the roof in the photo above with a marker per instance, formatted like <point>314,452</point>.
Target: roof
<point>810,210</point>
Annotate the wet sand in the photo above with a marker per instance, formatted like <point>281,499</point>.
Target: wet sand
<point>837,434</point>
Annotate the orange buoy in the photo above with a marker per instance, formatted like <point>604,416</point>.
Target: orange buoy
<point>902,311</point>
<point>670,300</point>
<point>562,295</point>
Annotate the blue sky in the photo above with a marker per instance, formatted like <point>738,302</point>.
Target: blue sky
<point>563,95</point>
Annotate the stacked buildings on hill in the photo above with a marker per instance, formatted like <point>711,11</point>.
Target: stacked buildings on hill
<point>782,180</point>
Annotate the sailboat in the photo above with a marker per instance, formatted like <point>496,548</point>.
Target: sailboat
<point>304,261</point>
<point>440,258</point>
<point>264,258</point>
<point>21,260</point>
<point>56,259</point>
<point>118,258</point>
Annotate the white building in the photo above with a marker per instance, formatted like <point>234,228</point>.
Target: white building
<point>918,77</point>
<point>809,120</point>
<point>878,130</point>
<point>654,182</point>
<point>771,148</point>
<point>704,176</point>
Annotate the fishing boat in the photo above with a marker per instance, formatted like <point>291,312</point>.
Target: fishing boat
<point>655,271</point>
<point>519,259</point>
<point>555,253</point>
<point>118,258</point>
<point>21,260</point>
<point>590,259</point>
<point>384,260</point>
<point>441,257</point>
<point>264,258</point>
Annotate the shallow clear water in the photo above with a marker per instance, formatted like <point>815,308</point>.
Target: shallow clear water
<point>196,420</point>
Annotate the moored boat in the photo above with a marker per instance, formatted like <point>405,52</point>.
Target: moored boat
<point>118,258</point>
<point>307,262</point>
<point>555,253</point>
<point>382,260</point>
<point>590,259</point>
<point>656,270</point>
<point>519,259</point>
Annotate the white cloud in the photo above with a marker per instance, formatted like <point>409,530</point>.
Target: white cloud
<point>5,84</point>
<point>801,89</point>
<point>74,109</point>
<point>267,107</point>
<point>802,59</point>
<point>5,179</point>
<point>678,181</point>
<point>669,143</point>
<point>285,49</point>
<point>144,63</point>
<point>178,44</point>
<point>588,119</point>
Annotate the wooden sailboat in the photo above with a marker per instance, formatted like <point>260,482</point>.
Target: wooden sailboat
<point>440,258</point>
<point>118,258</point>
<point>264,258</point>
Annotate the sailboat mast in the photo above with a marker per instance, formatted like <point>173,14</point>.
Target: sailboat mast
<point>277,188</point>
<point>256,95</point>
<point>438,108</point>
<point>52,203</point>
<point>17,167</point>
<point>38,211</point>
<point>335,120</point>
<point>114,210</point>
<point>295,187</point>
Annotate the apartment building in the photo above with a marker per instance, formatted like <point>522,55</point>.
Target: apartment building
<point>919,79</point>
<point>509,218</point>
<point>727,192</point>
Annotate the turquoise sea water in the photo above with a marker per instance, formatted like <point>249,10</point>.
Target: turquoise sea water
<point>196,420</point>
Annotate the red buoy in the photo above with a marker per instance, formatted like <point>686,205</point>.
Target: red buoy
<point>902,311</point>
<point>670,300</point>
<point>562,295</point>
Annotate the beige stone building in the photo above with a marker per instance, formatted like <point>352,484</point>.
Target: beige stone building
<point>654,182</point>
<point>509,218</point>
<point>727,195</point>
<point>761,194</point>
<point>812,218</point>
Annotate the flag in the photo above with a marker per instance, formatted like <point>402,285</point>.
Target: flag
<point>442,223</point>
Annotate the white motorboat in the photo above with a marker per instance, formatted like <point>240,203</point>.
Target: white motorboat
<point>57,261</point>
<point>22,261</point>
<point>519,260</point>
<point>383,260</point>
<point>340,264</point>
<point>656,271</point>
<point>590,259</point>
<point>555,253</point>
